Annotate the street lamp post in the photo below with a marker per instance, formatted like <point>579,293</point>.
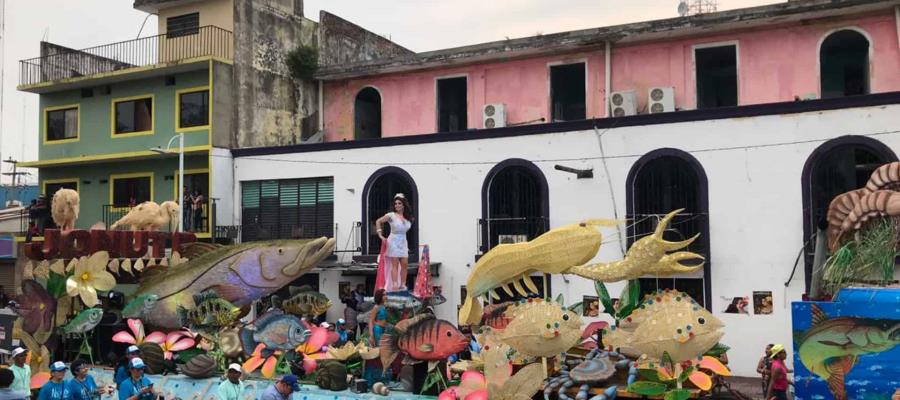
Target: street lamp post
<point>180,137</point>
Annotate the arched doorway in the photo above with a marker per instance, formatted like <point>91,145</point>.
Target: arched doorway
<point>844,64</point>
<point>837,166</point>
<point>378,195</point>
<point>367,114</point>
<point>662,181</point>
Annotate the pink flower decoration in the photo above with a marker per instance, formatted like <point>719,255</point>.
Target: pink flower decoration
<point>174,342</point>
<point>136,336</point>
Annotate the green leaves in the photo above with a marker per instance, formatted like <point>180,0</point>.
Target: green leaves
<point>685,374</point>
<point>186,355</point>
<point>678,394</point>
<point>603,294</point>
<point>717,350</point>
<point>644,388</point>
<point>577,308</point>
<point>629,299</point>
<point>56,285</point>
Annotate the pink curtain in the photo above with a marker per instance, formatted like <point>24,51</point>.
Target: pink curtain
<point>382,265</point>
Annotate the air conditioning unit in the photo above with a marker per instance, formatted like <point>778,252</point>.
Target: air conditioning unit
<point>623,103</point>
<point>494,116</point>
<point>512,239</point>
<point>661,99</point>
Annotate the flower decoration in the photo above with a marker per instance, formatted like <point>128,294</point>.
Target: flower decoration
<point>313,348</point>
<point>268,363</point>
<point>89,277</point>
<point>172,342</point>
<point>36,306</point>
<point>135,337</point>
<point>42,270</point>
<point>38,359</point>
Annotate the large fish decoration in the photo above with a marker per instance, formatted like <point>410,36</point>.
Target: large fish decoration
<point>304,302</point>
<point>240,274</point>
<point>210,311</point>
<point>85,321</point>
<point>495,315</point>
<point>831,347</point>
<point>140,306</point>
<point>541,328</point>
<point>275,329</point>
<point>422,338</point>
<point>396,302</point>
<point>666,322</point>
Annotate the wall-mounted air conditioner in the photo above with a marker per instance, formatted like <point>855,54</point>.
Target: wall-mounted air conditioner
<point>623,103</point>
<point>661,99</point>
<point>494,116</point>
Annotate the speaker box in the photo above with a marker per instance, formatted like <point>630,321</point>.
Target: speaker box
<point>359,386</point>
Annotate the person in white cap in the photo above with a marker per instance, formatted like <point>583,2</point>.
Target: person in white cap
<point>21,371</point>
<point>55,389</point>
<point>6,393</point>
<point>233,387</point>
<point>122,370</point>
<point>137,386</point>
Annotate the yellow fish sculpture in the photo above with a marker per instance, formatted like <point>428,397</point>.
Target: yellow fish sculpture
<point>567,250</point>
<point>541,328</point>
<point>667,322</point>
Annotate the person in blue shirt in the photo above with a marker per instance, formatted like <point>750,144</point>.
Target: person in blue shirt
<point>136,387</point>
<point>122,370</point>
<point>281,390</point>
<point>343,334</point>
<point>55,389</point>
<point>82,386</point>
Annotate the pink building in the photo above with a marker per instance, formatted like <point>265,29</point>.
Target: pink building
<point>797,50</point>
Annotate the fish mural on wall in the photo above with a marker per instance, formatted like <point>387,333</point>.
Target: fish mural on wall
<point>848,349</point>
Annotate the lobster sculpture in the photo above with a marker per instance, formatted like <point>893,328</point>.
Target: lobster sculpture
<point>848,212</point>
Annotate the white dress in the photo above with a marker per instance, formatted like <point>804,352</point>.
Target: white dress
<point>397,246</point>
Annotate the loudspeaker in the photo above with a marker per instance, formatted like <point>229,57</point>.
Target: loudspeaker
<point>359,386</point>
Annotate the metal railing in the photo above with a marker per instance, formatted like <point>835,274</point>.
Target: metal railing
<point>494,231</point>
<point>64,63</point>
<point>257,232</point>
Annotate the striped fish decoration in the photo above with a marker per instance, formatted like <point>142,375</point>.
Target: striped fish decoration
<point>422,338</point>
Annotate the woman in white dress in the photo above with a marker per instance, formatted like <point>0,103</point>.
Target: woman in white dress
<point>400,220</point>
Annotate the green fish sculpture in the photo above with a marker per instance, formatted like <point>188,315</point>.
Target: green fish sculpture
<point>210,312</point>
<point>140,306</point>
<point>831,347</point>
<point>304,302</point>
<point>239,274</point>
<point>85,321</point>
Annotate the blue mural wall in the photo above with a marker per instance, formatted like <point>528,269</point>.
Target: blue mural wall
<point>23,194</point>
<point>857,335</point>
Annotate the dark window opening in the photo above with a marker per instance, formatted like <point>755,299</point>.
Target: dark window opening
<point>659,186</point>
<point>183,25</point>
<point>515,207</point>
<point>717,80</point>
<point>844,64</point>
<point>194,109</point>
<point>567,92</point>
<point>367,114</point>
<point>198,181</point>
<point>287,209</point>
<point>380,201</point>
<point>134,116</point>
<point>129,192</point>
<point>452,104</point>
<point>62,124</point>
<point>51,188</point>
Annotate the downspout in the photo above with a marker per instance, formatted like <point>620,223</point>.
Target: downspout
<point>897,20</point>
<point>321,109</point>
<point>608,71</point>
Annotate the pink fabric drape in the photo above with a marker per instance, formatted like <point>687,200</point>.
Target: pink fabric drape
<point>380,277</point>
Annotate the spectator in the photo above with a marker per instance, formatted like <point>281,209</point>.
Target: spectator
<point>6,392</point>
<point>197,210</point>
<point>21,371</point>
<point>280,390</point>
<point>82,386</point>
<point>779,382</point>
<point>55,389</point>
<point>122,369</point>
<point>343,334</point>
<point>232,387</point>
<point>137,386</point>
<point>764,366</point>
<point>186,210</point>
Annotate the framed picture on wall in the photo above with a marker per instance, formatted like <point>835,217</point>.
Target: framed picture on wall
<point>344,289</point>
<point>591,306</point>
<point>762,303</point>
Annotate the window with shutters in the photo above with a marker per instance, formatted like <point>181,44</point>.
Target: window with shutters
<point>183,25</point>
<point>287,209</point>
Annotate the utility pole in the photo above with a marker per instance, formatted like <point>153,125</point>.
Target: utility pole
<point>15,173</point>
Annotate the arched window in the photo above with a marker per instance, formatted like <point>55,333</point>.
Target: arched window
<point>660,182</point>
<point>844,64</point>
<point>514,207</point>
<point>378,195</point>
<point>837,166</point>
<point>367,114</point>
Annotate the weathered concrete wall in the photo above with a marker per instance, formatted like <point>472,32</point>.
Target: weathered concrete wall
<point>60,62</point>
<point>342,42</point>
<point>272,108</point>
<point>223,109</point>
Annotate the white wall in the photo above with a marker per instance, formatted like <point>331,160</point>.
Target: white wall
<point>754,199</point>
<point>222,172</point>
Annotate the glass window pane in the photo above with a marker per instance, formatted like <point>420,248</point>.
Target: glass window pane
<point>129,192</point>
<point>194,108</point>
<point>62,124</point>
<point>134,116</point>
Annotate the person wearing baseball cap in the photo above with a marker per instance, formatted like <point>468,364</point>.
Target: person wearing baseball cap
<point>282,389</point>
<point>55,389</point>
<point>231,388</point>
<point>137,386</point>
<point>82,385</point>
<point>779,384</point>
<point>122,369</point>
<point>21,372</point>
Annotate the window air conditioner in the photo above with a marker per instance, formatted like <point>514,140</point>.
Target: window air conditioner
<point>661,99</point>
<point>623,103</point>
<point>494,116</point>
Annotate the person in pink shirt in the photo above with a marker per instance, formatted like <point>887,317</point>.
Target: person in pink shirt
<point>778,386</point>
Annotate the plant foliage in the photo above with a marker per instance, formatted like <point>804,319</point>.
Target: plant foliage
<point>303,62</point>
<point>868,259</point>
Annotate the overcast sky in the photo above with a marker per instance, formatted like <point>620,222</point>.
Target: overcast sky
<point>418,25</point>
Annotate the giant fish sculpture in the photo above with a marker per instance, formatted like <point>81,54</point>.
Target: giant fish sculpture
<point>239,274</point>
<point>276,330</point>
<point>541,328</point>
<point>666,322</point>
<point>831,347</point>
<point>422,338</point>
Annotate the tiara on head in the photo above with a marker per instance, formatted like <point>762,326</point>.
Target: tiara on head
<point>399,196</point>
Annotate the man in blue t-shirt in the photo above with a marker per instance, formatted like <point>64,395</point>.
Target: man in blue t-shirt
<point>281,390</point>
<point>82,386</point>
<point>122,370</point>
<point>136,387</point>
<point>55,389</point>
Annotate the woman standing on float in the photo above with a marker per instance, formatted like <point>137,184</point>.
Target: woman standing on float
<point>397,252</point>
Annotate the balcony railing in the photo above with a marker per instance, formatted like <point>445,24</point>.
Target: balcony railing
<point>64,63</point>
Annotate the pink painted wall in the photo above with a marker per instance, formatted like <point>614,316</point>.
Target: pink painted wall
<point>774,64</point>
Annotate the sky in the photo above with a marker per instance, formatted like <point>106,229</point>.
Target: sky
<point>418,25</point>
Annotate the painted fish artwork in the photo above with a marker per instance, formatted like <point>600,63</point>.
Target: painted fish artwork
<point>422,338</point>
<point>85,321</point>
<point>848,348</point>
<point>239,274</point>
<point>210,311</point>
<point>140,306</point>
<point>304,302</point>
<point>495,316</point>
<point>276,330</point>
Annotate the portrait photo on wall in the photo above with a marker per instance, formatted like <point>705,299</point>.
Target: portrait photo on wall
<point>738,305</point>
<point>762,302</point>
<point>591,306</point>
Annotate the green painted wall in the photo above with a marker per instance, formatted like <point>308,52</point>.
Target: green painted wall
<point>94,194</point>
<point>95,134</point>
